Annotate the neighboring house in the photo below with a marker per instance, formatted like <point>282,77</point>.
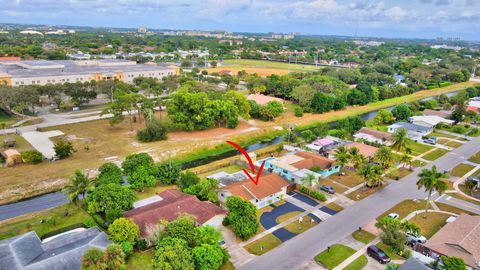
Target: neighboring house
<point>430,121</point>
<point>365,150</point>
<point>227,179</point>
<point>321,144</point>
<point>288,164</point>
<point>374,136</point>
<point>12,157</point>
<point>414,132</point>
<point>263,99</point>
<point>172,204</point>
<point>441,113</point>
<point>270,189</point>
<point>65,252</point>
<point>460,238</point>
<point>413,264</point>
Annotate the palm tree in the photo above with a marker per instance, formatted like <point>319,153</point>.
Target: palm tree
<point>431,180</point>
<point>79,185</point>
<point>309,179</point>
<point>384,157</point>
<point>372,174</point>
<point>406,160</point>
<point>400,139</point>
<point>341,156</point>
<point>355,157</point>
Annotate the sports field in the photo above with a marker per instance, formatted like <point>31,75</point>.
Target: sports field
<point>261,67</point>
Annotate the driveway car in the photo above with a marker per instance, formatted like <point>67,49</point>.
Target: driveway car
<point>378,254</point>
<point>393,215</point>
<point>327,189</point>
<point>432,141</point>
<point>415,238</point>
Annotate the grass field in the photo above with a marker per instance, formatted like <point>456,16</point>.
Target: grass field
<point>418,148</point>
<point>350,179</point>
<point>8,120</point>
<point>363,192</point>
<point>262,67</point>
<point>431,224</point>
<point>298,228</point>
<point>358,264</point>
<point>363,236</point>
<point>435,154</point>
<point>140,260</point>
<point>475,158</point>
<point>263,245</point>
<point>461,169</point>
<point>43,222</point>
<point>20,143</point>
<point>335,256</point>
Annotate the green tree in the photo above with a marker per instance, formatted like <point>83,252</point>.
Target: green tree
<point>183,228</point>
<point>341,156</point>
<point>155,131</point>
<point>452,263</point>
<point>79,185</point>
<point>109,173</point>
<point>187,179</point>
<point>205,190</point>
<point>114,257</point>
<point>393,232</point>
<point>431,181</point>
<point>168,172</point>
<point>406,160</point>
<point>383,117</point>
<point>384,157</point>
<point>142,177</point>
<point>173,254</point>
<point>303,94</point>
<point>133,161</point>
<point>63,149</point>
<point>111,200</point>
<point>208,257</point>
<point>355,158</point>
<point>93,260</point>
<point>400,140</point>
<point>308,180</point>
<point>402,112</point>
<point>242,215</point>
<point>123,230</point>
<point>207,234</point>
<point>32,156</point>
<point>372,174</point>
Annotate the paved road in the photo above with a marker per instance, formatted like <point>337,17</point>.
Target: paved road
<point>33,205</point>
<point>298,252</point>
<point>467,206</point>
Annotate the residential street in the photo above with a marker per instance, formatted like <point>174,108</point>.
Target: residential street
<point>298,252</point>
<point>39,203</point>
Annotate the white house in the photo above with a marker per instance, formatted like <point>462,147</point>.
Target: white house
<point>430,120</point>
<point>414,132</point>
<point>270,189</point>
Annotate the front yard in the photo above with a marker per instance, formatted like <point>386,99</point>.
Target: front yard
<point>418,148</point>
<point>363,192</point>
<point>335,256</point>
<point>431,224</point>
<point>358,264</point>
<point>435,154</point>
<point>363,236</point>
<point>297,227</point>
<point>263,245</point>
<point>475,158</point>
<point>350,179</point>
<point>461,169</point>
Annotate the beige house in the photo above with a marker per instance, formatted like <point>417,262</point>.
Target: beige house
<point>12,157</point>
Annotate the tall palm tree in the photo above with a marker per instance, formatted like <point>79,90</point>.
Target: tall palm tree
<point>79,185</point>
<point>355,158</point>
<point>384,157</point>
<point>431,180</point>
<point>372,174</point>
<point>406,160</point>
<point>400,139</point>
<point>341,156</point>
<point>309,179</point>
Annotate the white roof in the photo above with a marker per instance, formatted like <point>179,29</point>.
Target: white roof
<point>474,103</point>
<point>147,201</point>
<point>431,119</point>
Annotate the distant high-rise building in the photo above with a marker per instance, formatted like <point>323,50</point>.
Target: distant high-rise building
<point>142,29</point>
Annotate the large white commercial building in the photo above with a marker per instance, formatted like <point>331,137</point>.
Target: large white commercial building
<point>42,72</point>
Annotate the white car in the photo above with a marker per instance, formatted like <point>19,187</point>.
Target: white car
<point>415,238</point>
<point>393,215</point>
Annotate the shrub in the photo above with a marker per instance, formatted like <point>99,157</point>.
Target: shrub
<point>127,248</point>
<point>155,131</point>
<point>298,111</point>
<point>317,195</point>
<point>63,149</point>
<point>89,223</point>
<point>32,156</point>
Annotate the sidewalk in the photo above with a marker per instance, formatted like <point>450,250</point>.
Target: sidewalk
<point>355,255</point>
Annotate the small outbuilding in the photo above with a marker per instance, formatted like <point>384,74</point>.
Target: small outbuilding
<point>9,142</point>
<point>12,157</point>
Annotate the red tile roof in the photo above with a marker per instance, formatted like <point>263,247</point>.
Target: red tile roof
<point>312,159</point>
<point>9,58</point>
<point>173,204</point>
<point>268,184</point>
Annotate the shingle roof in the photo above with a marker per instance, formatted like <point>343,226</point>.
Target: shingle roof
<point>173,204</point>
<point>376,133</point>
<point>413,264</point>
<point>460,238</point>
<point>63,253</point>
<point>267,185</point>
<point>410,126</point>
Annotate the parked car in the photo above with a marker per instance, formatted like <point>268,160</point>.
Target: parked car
<point>327,189</point>
<point>415,238</point>
<point>432,140</point>
<point>378,254</point>
<point>393,215</point>
<point>473,180</point>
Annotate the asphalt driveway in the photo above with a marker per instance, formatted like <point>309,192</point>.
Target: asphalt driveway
<point>328,210</point>
<point>303,198</point>
<point>267,219</point>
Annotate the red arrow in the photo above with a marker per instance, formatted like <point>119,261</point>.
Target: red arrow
<point>252,167</point>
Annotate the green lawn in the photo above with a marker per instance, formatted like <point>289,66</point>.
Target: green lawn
<point>418,163</point>
<point>475,158</point>
<point>53,219</point>
<point>435,154</point>
<point>350,179</point>
<point>461,169</point>
<point>20,143</point>
<point>298,228</point>
<point>440,134</point>
<point>358,264</point>
<point>363,192</point>
<point>337,254</point>
<point>397,174</point>
<point>453,144</point>
<point>363,236</point>
<point>431,224</point>
<point>245,63</point>
<point>388,250</point>
<point>268,242</point>
<point>404,208</point>
<point>334,207</point>
<point>418,148</point>
<point>140,260</point>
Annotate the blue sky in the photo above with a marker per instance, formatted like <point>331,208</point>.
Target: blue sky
<point>407,18</point>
